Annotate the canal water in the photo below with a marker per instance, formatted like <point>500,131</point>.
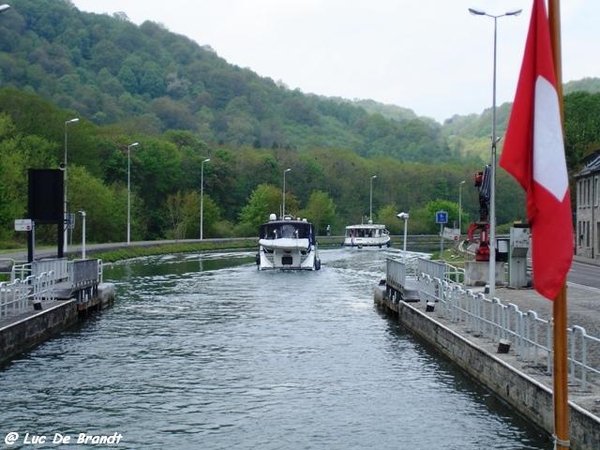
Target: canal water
<point>206,352</point>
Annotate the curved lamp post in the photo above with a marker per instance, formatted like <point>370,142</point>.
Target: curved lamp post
<point>404,216</point>
<point>371,200</point>
<point>4,7</point>
<point>202,198</point>
<point>495,139</point>
<point>135,144</point>
<point>283,208</point>
<point>82,234</point>
<point>66,203</point>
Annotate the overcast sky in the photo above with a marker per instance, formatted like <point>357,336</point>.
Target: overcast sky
<point>431,56</point>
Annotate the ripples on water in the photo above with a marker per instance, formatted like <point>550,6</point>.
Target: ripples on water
<point>205,352</point>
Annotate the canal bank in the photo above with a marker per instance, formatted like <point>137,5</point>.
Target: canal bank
<point>526,387</point>
<point>20,333</point>
<point>45,297</point>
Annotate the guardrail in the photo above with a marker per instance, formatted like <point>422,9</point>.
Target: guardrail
<point>530,336</point>
<point>18,296</point>
<point>38,282</point>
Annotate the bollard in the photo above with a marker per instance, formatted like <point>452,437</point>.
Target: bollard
<point>503,346</point>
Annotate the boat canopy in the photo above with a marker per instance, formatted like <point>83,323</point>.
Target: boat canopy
<point>278,229</point>
<point>366,231</point>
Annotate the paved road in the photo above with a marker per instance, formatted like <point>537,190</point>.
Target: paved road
<point>585,272</point>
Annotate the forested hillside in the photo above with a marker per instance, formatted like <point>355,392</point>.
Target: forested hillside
<point>192,113</point>
<point>146,78</point>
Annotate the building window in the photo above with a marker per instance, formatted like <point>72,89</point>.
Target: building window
<point>588,192</point>
<point>587,234</point>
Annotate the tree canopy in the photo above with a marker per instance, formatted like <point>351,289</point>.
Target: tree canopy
<point>184,104</point>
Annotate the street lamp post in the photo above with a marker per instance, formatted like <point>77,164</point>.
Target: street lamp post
<point>404,216</point>
<point>495,139</point>
<point>460,185</point>
<point>202,198</point>
<point>66,203</point>
<point>371,200</point>
<point>283,208</point>
<point>135,144</point>
<point>82,234</point>
<point>4,7</point>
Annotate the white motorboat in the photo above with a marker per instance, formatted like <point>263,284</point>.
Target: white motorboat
<point>367,235</point>
<point>287,244</point>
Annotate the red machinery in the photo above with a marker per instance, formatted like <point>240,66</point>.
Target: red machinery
<point>479,231</point>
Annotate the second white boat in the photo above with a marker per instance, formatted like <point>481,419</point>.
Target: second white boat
<point>367,235</point>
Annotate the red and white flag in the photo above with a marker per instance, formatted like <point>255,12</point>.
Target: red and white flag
<point>534,155</point>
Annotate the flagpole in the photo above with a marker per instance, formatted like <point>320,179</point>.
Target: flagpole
<point>559,308</point>
<point>560,379</point>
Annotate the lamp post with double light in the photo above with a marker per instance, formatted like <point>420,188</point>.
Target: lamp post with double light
<point>202,198</point>
<point>66,203</point>
<point>283,207</point>
<point>495,139</point>
<point>129,147</point>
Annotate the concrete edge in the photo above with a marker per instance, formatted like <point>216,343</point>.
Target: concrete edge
<point>528,396</point>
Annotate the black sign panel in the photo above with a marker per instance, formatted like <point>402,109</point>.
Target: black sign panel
<point>46,195</point>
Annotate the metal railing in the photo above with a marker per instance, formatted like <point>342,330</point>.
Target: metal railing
<point>529,335</point>
<point>19,296</point>
<point>37,282</point>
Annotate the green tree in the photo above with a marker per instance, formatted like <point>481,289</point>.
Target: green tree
<point>320,211</point>
<point>582,126</point>
<point>18,153</point>
<point>264,200</point>
<point>128,80</point>
<point>178,222</point>
<point>184,213</point>
<point>105,207</point>
<point>388,216</point>
<point>423,220</point>
<point>152,82</point>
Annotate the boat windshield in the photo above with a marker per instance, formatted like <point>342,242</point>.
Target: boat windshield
<point>365,232</point>
<point>293,230</point>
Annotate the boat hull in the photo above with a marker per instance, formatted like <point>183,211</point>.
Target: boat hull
<point>287,245</point>
<point>367,242</point>
<point>270,258</point>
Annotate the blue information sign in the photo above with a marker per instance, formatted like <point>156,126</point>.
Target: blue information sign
<point>441,217</point>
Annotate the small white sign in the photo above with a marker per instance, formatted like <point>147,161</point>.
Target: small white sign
<point>451,234</point>
<point>23,224</point>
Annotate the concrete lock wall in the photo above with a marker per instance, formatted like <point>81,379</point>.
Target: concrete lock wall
<point>32,330</point>
<point>526,395</point>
